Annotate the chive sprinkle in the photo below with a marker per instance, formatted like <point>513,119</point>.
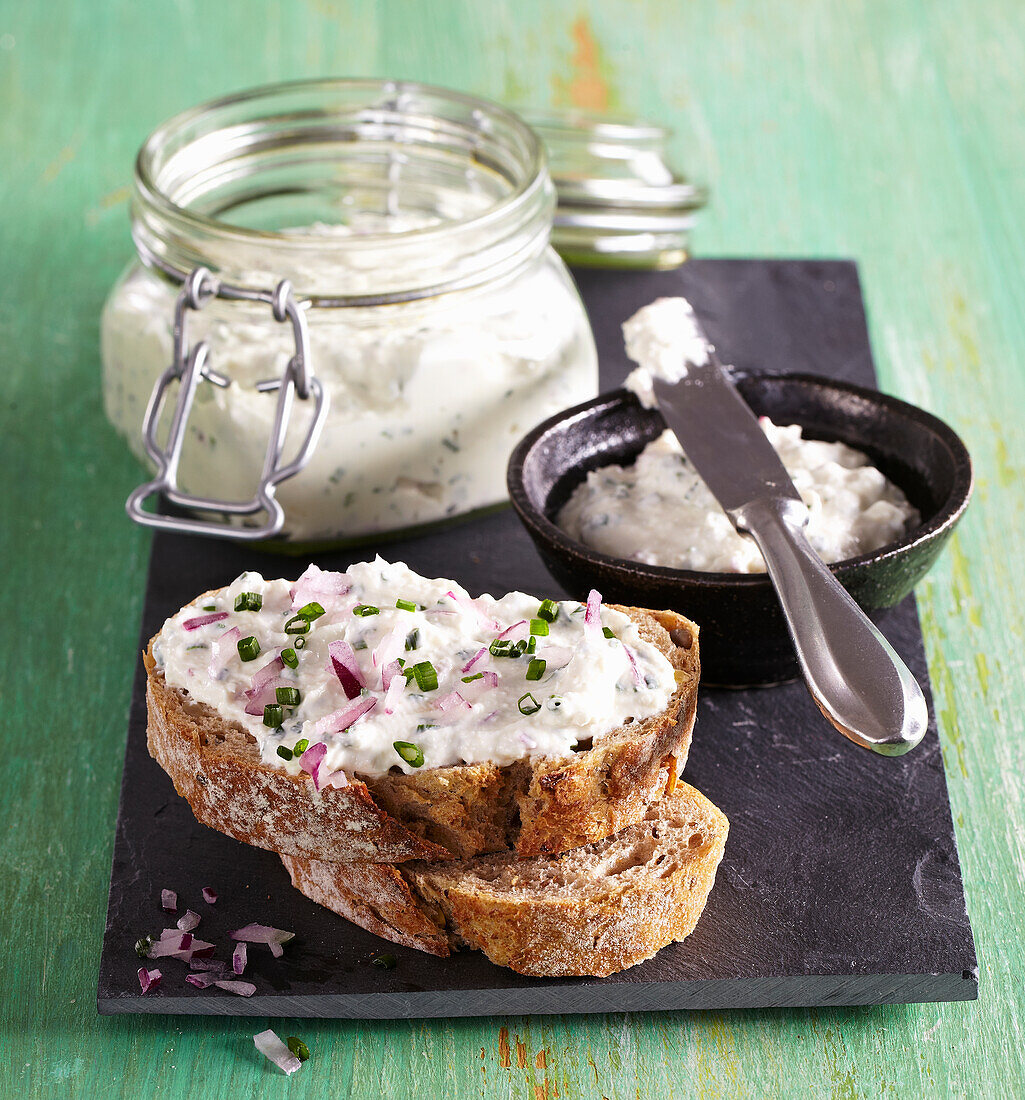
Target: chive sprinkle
<point>209,607</point>
<point>298,1047</point>
<point>475,676</point>
<point>273,715</point>
<point>503,647</point>
<point>384,962</point>
<point>412,754</point>
<point>310,611</point>
<point>283,750</point>
<point>248,601</point>
<point>300,642</point>
<point>365,609</point>
<point>536,668</point>
<point>289,658</point>
<point>297,625</point>
<point>248,649</point>
<point>287,696</point>
<point>549,611</point>
<point>608,632</point>
<point>405,605</point>
<point>532,644</point>
<point>528,704</point>
<point>539,626</point>
<point>426,676</point>
<point>301,746</point>
<point>413,639</point>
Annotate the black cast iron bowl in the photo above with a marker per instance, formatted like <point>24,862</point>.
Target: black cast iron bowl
<point>744,640</point>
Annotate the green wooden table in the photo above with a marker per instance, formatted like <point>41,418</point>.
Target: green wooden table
<point>891,132</point>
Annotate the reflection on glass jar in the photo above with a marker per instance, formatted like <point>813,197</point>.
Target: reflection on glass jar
<point>415,223</point>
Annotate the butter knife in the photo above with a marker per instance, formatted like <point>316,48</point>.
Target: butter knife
<point>852,671</point>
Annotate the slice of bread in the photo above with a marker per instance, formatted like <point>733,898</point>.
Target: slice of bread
<point>592,911</point>
<point>534,806</point>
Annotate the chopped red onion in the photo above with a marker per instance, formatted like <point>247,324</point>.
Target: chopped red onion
<point>176,944</point>
<point>396,688</point>
<point>556,656</point>
<point>270,1046</point>
<point>638,678</point>
<point>149,979</point>
<point>389,672</point>
<point>215,965</point>
<point>267,673</point>
<point>320,585</point>
<point>336,779</point>
<point>168,901</point>
<point>453,701</point>
<point>475,658</point>
<point>189,921</point>
<point>264,685</point>
<point>209,895</point>
<point>201,981</point>
<point>388,651</point>
<point>262,933</point>
<point>311,760</point>
<point>345,666</point>
<point>491,716</point>
<point>238,958</point>
<point>466,604</point>
<point>204,620</point>
<point>243,989</point>
<point>592,613</point>
<point>341,719</point>
<point>529,742</point>
<point>222,649</point>
<point>509,629</point>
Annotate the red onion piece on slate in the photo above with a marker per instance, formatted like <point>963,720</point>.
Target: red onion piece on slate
<point>345,666</point>
<point>189,921</point>
<point>243,989</point>
<point>214,965</point>
<point>238,958</point>
<point>201,981</point>
<point>168,901</point>
<point>204,620</point>
<point>149,979</point>
<point>270,1046</point>
<point>209,895</point>
<point>262,933</point>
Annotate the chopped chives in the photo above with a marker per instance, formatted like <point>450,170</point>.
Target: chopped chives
<point>383,962</point>
<point>536,668</point>
<point>413,639</point>
<point>521,647</point>
<point>298,1047</point>
<point>301,746</point>
<point>503,647</point>
<point>289,658</point>
<point>364,609</point>
<point>405,605</point>
<point>284,751</point>
<point>310,611</point>
<point>412,754</point>
<point>287,696</point>
<point>248,649</point>
<point>539,627</point>
<point>549,611</point>
<point>475,676</point>
<point>608,632</point>
<point>209,607</point>
<point>248,601</point>
<point>300,642</point>
<point>528,704</point>
<point>273,715</point>
<point>532,644</point>
<point>426,676</point>
<point>297,625</point>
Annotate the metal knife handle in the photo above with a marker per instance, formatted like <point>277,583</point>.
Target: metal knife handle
<point>852,672</point>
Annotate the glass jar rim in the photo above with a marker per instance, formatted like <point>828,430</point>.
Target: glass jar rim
<point>528,201</point>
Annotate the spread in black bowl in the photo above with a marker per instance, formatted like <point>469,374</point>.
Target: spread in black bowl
<point>744,638</point>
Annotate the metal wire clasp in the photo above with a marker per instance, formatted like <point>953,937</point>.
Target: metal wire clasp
<point>189,368</point>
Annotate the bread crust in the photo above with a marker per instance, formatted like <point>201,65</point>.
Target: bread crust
<point>541,932</point>
<point>533,807</point>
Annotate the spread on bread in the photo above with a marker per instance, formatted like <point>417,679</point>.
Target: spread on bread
<point>378,669</point>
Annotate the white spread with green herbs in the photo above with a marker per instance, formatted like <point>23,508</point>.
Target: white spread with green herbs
<point>659,511</point>
<point>663,339</point>
<point>378,667</point>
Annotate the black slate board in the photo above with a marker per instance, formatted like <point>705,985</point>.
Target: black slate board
<point>840,884</point>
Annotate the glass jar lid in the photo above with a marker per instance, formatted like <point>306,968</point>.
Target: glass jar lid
<point>620,203</point>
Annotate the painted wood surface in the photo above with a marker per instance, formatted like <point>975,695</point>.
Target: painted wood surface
<point>888,132</point>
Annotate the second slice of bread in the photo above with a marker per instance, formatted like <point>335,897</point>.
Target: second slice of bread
<point>592,911</point>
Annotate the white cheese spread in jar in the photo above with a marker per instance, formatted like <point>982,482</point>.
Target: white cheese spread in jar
<point>659,511</point>
<point>378,668</point>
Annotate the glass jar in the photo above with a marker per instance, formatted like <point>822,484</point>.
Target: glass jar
<point>413,225</point>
